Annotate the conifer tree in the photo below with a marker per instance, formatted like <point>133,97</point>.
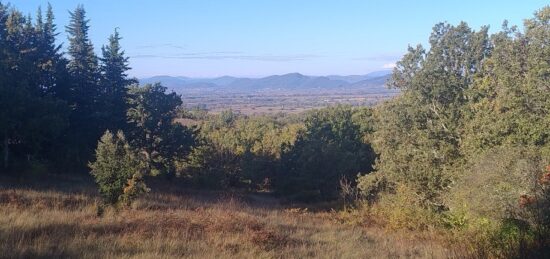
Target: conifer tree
<point>29,119</point>
<point>117,170</point>
<point>84,94</point>
<point>114,83</point>
<point>50,61</point>
<point>83,64</point>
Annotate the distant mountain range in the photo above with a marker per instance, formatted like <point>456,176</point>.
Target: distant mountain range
<point>373,82</point>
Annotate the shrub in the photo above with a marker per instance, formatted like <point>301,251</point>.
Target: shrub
<point>501,202</point>
<point>373,186</point>
<point>491,184</point>
<point>403,209</point>
<point>117,170</point>
<point>329,148</point>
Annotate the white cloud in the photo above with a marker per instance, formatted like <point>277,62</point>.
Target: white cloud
<point>389,65</point>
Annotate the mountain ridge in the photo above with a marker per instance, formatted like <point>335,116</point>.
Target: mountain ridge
<point>374,81</point>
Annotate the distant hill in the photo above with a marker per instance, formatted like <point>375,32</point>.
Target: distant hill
<point>357,78</point>
<point>372,82</point>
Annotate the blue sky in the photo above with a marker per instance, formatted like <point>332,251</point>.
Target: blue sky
<point>206,38</point>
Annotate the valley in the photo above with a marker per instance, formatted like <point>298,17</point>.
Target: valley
<point>289,93</point>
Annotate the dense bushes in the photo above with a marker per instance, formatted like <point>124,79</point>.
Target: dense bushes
<point>301,160</point>
<point>329,147</point>
<point>237,151</point>
<point>465,145</point>
<point>492,183</point>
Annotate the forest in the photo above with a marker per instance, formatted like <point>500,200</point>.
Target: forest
<point>457,165</point>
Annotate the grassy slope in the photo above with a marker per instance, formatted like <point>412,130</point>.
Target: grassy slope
<point>61,221</point>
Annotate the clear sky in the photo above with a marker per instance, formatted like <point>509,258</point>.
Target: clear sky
<point>206,38</point>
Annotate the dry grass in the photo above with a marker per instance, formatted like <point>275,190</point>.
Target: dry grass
<point>58,223</point>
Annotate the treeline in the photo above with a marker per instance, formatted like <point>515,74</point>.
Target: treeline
<point>54,106</point>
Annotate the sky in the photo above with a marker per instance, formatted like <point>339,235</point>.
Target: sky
<point>254,38</point>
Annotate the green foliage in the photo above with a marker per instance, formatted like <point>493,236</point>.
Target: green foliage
<point>31,117</point>
<point>408,152</point>
<point>117,169</point>
<point>510,96</point>
<point>152,131</point>
<point>83,92</point>
<point>114,84</point>
<point>329,148</point>
<point>492,183</point>
<point>55,108</point>
<point>418,135</point>
<point>464,144</point>
<point>237,151</point>
<point>462,148</point>
<point>402,209</point>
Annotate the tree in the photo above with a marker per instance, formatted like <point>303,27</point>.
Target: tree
<point>117,170</point>
<point>114,83</point>
<point>83,93</point>
<point>330,148</point>
<point>30,118</point>
<point>419,134</point>
<point>237,151</point>
<point>153,132</point>
<point>51,63</point>
<point>509,102</point>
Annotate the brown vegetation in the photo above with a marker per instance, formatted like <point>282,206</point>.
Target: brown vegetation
<point>62,222</point>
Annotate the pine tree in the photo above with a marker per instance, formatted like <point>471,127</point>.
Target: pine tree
<point>84,94</point>
<point>50,61</point>
<point>117,170</point>
<point>29,119</point>
<point>114,83</point>
<point>83,64</point>
<point>4,88</point>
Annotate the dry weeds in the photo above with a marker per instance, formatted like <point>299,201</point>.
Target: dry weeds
<point>54,223</point>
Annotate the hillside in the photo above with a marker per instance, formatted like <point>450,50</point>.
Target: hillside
<point>292,82</point>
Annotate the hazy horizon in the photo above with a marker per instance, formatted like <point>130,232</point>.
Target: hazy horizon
<point>388,70</point>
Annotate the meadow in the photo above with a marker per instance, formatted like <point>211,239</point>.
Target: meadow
<point>58,219</point>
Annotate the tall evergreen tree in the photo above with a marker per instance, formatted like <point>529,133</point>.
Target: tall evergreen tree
<point>83,63</point>
<point>50,61</point>
<point>114,83</point>
<point>84,91</point>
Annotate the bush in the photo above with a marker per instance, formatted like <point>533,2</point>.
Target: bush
<point>234,151</point>
<point>491,183</point>
<point>329,148</point>
<point>403,209</point>
<point>373,186</point>
<point>117,170</point>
